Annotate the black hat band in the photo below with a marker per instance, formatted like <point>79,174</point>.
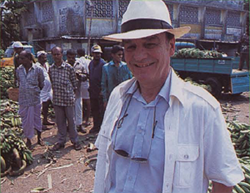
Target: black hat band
<point>144,24</point>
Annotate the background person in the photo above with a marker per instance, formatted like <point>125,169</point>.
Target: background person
<point>114,73</point>
<point>30,79</point>
<point>84,88</point>
<point>46,92</point>
<point>95,78</point>
<point>18,47</point>
<point>79,70</point>
<point>64,85</point>
<point>244,54</point>
<point>159,133</point>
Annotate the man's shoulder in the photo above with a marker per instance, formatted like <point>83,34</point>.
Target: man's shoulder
<point>102,61</point>
<point>122,88</point>
<point>123,63</point>
<point>197,94</point>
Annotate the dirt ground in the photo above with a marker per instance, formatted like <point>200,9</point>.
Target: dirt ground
<point>72,171</point>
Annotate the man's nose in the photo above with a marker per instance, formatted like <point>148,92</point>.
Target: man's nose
<point>140,54</point>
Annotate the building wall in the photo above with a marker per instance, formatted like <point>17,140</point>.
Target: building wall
<point>53,20</point>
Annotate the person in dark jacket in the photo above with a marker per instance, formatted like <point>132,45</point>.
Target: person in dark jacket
<point>244,55</point>
<point>95,78</point>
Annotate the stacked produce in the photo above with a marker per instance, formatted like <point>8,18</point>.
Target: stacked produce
<point>205,86</point>
<point>14,153</point>
<point>240,135</point>
<point>7,80</point>
<point>197,53</point>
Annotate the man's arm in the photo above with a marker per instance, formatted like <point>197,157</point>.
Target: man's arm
<point>73,79</point>
<point>41,79</point>
<point>104,85</point>
<point>221,188</point>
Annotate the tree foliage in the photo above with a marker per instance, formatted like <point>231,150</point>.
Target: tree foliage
<point>10,19</point>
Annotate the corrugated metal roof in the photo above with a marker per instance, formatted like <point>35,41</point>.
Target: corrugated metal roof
<point>66,37</point>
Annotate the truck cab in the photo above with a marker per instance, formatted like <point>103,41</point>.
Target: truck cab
<point>8,59</point>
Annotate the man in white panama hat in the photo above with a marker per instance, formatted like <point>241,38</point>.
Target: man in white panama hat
<point>160,134</point>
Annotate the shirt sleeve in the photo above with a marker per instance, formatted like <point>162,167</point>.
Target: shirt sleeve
<point>16,72</point>
<point>104,85</point>
<point>41,78</point>
<point>73,78</point>
<point>221,163</point>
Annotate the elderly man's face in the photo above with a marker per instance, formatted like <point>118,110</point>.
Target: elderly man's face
<point>42,59</point>
<point>57,56</point>
<point>71,59</point>
<point>149,58</point>
<point>18,50</point>
<point>97,55</point>
<point>24,60</point>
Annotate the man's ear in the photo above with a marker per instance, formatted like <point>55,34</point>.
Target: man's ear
<point>172,46</point>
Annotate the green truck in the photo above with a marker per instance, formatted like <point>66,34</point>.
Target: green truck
<point>220,73</point>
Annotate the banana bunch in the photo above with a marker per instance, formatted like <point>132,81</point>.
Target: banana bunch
<point>205,86</point>
<point>240,135</point>
<point>7,80</point>
<point>14,153</point>
<point>9,114</point>
<point>196,53</point>
<point>244,186</point>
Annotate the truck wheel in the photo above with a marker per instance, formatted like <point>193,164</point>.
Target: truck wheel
<point>215,85</point>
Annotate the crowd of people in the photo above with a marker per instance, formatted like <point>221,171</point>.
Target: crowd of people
<point>156,133</point>
<point>75,88</point>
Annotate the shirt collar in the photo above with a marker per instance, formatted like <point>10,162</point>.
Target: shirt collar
<point>32,66</point>
<point>172,89</point>
<point>63,65</point>
<point>120,64</point>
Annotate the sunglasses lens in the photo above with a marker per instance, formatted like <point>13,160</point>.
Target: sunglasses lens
<point>122,153</point>
<point>139,159</point>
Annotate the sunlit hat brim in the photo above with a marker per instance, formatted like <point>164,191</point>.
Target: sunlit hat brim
<point>143,33</point>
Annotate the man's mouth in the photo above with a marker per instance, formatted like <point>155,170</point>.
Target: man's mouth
<point>144,66</point>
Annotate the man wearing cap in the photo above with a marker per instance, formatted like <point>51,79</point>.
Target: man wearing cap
<point>30,79</point>
<point>85,87</point>
<point>114,72</point>
<point>95,78</point>
<point>81,77</point>
<point>18,47</point>
<point>46,92</point>
<point>160,134</point>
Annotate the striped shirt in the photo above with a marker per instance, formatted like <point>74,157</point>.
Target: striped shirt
<point>30,85</point>
<point>64,84</point>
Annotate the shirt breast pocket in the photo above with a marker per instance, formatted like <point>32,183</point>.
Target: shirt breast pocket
<point>33,80</point>
<point>102,141</point>
<point>185,165</point>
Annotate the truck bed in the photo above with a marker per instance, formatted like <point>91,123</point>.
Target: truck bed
<point>203,65</point>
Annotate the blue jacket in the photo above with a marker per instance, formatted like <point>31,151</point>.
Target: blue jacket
<point>113,76</point>
<point>95,78</point>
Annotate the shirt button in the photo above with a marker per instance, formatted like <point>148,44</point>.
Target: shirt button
<point>186,156</point>
<point>129,178</point>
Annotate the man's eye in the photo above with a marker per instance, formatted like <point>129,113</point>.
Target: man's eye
<point>130,48</point>
<point>150,45</point>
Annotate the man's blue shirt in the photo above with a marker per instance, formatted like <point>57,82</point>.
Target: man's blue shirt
<point>112,76</point>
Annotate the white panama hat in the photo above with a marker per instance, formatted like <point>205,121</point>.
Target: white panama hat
<point>145,18</point>
<point>39,53</point>
<point>17,45</point>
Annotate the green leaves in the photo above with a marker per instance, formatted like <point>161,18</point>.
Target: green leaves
<point>10,19</point>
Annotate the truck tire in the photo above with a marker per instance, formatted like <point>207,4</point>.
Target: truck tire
<point>215,85</point>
